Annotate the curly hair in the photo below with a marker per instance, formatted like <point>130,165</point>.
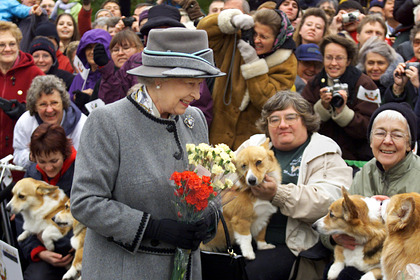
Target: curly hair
<point>283,100</point>
<point>45,85</point>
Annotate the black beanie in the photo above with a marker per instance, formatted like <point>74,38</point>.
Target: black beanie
<point>43,44</point>
<point>281,1</point>
<point>48,29</point>
<point>405,110</point>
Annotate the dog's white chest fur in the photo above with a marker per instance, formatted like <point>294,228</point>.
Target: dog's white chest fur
<point>263,210</point>
<point>355,258</point>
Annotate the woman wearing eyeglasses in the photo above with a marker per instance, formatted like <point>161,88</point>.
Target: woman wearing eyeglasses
<point>344,113</point>
<point>17,69</point>
<point>394,169</point>
<point>47,102</point>
<point>312,175</point>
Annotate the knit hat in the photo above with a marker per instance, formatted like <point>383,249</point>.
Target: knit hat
<point>162,16</point>
<point>376,3</point>
<point>177,53</point>
<point>279,2</point>
<point>43,44</point>
<point>47,29</point>
<point>308,52</point>
<point>405,110</point>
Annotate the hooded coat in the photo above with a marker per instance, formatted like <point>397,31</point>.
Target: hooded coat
<point>94,36</point>
<point>14,85</point>
<point>252,83</point>
<point>73,121</point>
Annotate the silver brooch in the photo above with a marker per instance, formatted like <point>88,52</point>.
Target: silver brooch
<point>189,121</point>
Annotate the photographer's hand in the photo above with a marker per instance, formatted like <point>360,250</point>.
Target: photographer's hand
<point>326,97</point>
<point>400,79</point>
<point>413,74</point>
<point>247,51</point>
<point>242,21</point>
<point>343,94</point>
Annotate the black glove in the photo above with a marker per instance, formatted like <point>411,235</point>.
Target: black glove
<point>16,110</point>
<point>99,55</point>
<point>80,99</point>
<point>182,235</point>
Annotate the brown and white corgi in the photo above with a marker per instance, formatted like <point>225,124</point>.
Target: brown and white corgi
<point>402,245</point>
<point>359,217</point>
<point>64,218</point>
<point>38,202</point>
<point>247,216</point>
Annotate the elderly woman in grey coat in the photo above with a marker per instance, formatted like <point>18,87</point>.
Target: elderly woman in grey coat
<point>128,151</point>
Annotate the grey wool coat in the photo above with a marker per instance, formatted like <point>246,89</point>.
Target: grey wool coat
<point>123,166</point>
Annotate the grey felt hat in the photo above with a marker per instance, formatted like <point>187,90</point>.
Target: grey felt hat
<point>177,53</point>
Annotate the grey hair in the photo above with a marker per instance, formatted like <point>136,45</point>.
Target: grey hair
<point>415,11</point>
<point>390,115</point>
<point>45,85</point>
<point>100,22</point>
<point>376,45</point>
<point>283,100</point>
<point>245,6</point>
<point>334,3</point>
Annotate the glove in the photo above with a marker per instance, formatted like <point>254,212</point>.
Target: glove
<point>182,235</point>
<point>99,55</point>
<point>17,109</point>
<point>248,52</point>
<point>192,8</point>
<point>242,21</point>
<point>80,99</point>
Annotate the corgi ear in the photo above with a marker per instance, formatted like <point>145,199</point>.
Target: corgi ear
<point>349,208</point>
<point>266,145</point>
<point>405,212</point>
<point>43,188</point>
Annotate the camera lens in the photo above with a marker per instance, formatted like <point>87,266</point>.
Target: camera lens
<point>337,100</point>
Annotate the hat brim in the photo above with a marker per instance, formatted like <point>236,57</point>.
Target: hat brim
<point>310,59</point>
<point>159,22</point>
<point>164,72</point>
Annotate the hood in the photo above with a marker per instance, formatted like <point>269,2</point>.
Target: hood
<point>93,36</point>
<point>23,60</point>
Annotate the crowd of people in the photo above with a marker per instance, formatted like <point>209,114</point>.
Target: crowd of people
<point>102,103</point>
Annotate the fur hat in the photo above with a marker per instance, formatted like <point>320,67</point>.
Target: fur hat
<point>43,44</point>
<point>162,15</point>
<point>48,29</point>
<point>177,53</point>
<point>405,110</point>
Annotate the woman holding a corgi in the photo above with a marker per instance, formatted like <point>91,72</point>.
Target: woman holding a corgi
<point>54,157</point>
<point>313,172</point>
<point>128,151</point>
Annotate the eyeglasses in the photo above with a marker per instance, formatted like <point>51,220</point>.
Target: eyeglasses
<point>289,119</point>
<point>124,49</point>
<point>416,42</point>
<point>396,136</point>
<point>53,104</point>
<point>337,58</point>
<point>12,45</point>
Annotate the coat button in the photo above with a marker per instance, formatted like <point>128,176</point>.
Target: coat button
<point>170,128</point>
<point>154,242</point>
<point>177,155</point>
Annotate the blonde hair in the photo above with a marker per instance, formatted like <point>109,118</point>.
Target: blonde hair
<point>6,26</point>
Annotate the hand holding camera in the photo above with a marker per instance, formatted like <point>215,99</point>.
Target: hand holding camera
<point>404,72</point>
<point>335,95</point>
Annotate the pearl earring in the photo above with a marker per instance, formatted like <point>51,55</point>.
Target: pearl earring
<point>158,87</point>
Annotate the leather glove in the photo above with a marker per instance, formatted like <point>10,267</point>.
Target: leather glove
<point>17,109</point>
<point>182,235</point>
<point>99,55</point>
<point>247,51</point>
<point>80,99</point>
<point>192,8</point>
<point>242,21</point>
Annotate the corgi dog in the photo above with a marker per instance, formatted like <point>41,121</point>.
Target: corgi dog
<point>359,217</point>
<point>401,214</point>
<point>38,202</point>
<point>247,216</point>
<point>64,218</point>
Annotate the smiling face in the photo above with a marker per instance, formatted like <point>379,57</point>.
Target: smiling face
<point>375,65</point>
<point>389,151</point>
<point>290,8</point>
<point>9,49</point>
<point>174,95</point>
<point>89,55</point>
<point>50,107</point>
<point>51,163</point>
<point>335,60</point>
<point>263,38</point>
<point>287,136</point>
<point>369,30</point>
<point>65,27</point>
<point>43,60</point>
<point>308,69</point>
<point>312,30</point>
<point>120,54</point>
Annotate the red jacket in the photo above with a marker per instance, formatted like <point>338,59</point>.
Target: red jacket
<point>14,85</point>
<point>64,62</point>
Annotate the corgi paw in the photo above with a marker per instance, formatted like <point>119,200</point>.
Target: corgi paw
<point>49,245</point>
<point>70,274</point>
<point>23,236</point>
<point>249,254</point>
<point>368,276</point>
<point>262,245</point>
<point>335,269</point>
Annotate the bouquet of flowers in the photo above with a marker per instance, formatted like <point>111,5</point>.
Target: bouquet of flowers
<point>197,187</point>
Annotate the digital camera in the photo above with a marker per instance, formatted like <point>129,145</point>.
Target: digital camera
<point>350,17</point>
<point>337,100</point>
<point>128,21</point>
<point>415,64</point>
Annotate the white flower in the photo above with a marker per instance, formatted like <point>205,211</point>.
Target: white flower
<point>216,169</point>
<point>228,183</point>
<point>190,147</point>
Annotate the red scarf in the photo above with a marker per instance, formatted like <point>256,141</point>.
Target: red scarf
<point>66,165</point>
<point>414,59</point>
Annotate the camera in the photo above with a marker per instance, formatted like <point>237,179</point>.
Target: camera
<point>128,21</point>
<point>337,100</point>
<point>350,17</point>
<point>5,104</point>
<point>248,36</point>
<point>415,64</point>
